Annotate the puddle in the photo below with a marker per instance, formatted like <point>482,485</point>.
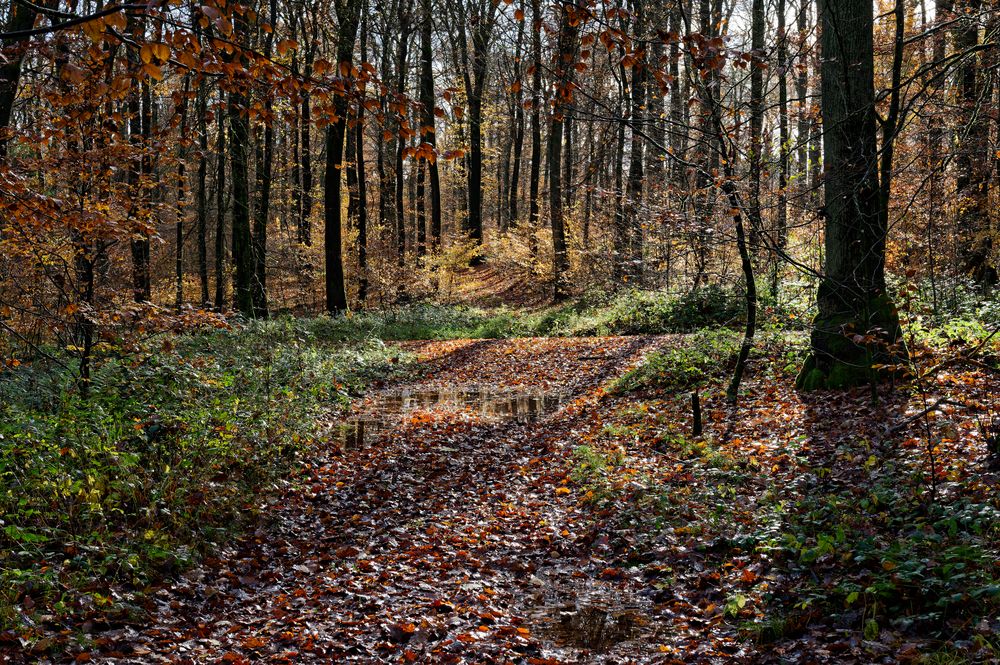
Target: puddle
<point>389,411</point>
<point>597,628</point>
<point>589,615</point>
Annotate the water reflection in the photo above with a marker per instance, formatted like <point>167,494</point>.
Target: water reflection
<point>587,614</point>
<point>388,411</point>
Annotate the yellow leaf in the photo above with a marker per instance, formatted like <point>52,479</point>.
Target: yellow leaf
<point>153,71</point>
<point>161,52</point>
<point>562,490</point>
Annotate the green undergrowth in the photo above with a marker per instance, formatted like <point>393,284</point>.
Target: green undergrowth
<point>685,365</point>
<point>841,539</point>
<point>176,447</point>
<point>631,312</point>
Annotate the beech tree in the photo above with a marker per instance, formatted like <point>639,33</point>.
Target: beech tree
<point>857,326</point>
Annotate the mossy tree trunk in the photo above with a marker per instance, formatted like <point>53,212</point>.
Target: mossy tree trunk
<point>857,326</point>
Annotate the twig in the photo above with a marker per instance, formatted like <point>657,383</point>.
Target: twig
<point>920,414</point>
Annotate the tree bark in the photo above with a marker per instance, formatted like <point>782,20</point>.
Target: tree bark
<point>220,209</point>
<point>781,214</point>
<point>348,16</point>
<point>428,124</point>
<point>202,193</point>
<point>536,125</point>
<point>401,71</point>
<point>563,93</point>
<point>305,220</point>
<point>19,18</point>
<point>513,193</point>
<point>239,147</point>
<point>857,325</point>
<point>972,165</point>
<point>757,65</point>
<point>359,156</point>
<point>181,192</point>
<point>264,173</point>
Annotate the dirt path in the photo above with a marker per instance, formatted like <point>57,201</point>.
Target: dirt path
<point>447,537</point>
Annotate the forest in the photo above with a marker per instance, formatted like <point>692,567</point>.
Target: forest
<point>500,331</point>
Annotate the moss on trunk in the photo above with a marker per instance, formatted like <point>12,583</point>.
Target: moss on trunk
<point>840,359</point>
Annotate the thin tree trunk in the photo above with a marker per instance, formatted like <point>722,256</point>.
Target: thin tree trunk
<point>428,129</point>
<point>220,208</point>
<point>19,17</point>
<point>348,16</point>
<point>264,174</point>
<point>401,72</point>
<point>536,125</point>
<point>181,191</point>
<point>513,193</point>
<point>305,221</point>
<point>359,156</point>
<point>239,127</point>
<point>633,191</point>
<point>756,120</point>
<point>781,215</point>
<point>568,29</point>
<point>202,194</point>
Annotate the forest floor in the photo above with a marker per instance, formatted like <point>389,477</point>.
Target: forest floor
<point>509,504</point>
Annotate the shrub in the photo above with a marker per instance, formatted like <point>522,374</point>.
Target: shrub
<point>681,367</point>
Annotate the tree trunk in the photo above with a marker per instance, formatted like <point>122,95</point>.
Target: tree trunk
<point>620,228</point>
<point>564,68</point>
<point>348,16</point>
<point>401,71</point>
<point>421,208</point>
<point>536,125</point>
<point>857,324</point>
<point>757,65</point>
<point>359,156</point>
<point>305,220</point>
<point>634,185</point>
<point>141,132</point>
<point>202,193</point>
<point>220,210</point>
<point>972,179</point>
<point>428,128</point>
<point>801,93</point>
<point>264,174</point>
<point>181,191</point>
<point>781,214</point>
<point>569,131</point>
<point>513,193</point>
<point>239,147</point>
<point>19,17</point>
